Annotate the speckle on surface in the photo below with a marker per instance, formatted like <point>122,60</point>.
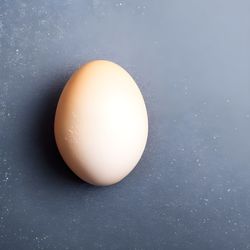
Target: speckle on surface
<point>191,60</point>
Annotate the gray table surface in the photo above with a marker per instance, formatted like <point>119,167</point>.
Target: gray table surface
<point>191,189</point>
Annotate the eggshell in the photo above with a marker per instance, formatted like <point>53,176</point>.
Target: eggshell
<point>101,123</point>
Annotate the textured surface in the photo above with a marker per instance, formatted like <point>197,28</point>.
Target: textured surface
<point>191,190</point>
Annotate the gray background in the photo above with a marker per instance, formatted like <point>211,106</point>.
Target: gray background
<point>191,189</point>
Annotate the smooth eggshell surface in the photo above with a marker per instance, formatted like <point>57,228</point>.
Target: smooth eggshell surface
<point>101,123</point>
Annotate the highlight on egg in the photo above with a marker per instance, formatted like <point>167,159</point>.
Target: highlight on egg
<point>101,123</point>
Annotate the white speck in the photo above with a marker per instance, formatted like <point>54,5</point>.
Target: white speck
<point>45,237</point>
<point>247,116</point>
<point>227,100</point>
<point>229,190</point>
<point>119,4</point>
<point>214,137</point>
<point>195,115</point>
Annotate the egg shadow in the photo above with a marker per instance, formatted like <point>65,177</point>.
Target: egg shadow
<point>45,133</point>
<point>56,168</point>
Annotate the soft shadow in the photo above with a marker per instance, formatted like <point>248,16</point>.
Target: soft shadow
<point>46,140</point>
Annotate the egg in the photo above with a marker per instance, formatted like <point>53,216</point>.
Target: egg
<point>101,123</point>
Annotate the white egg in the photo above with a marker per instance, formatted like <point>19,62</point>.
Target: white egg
<point>101,123</point>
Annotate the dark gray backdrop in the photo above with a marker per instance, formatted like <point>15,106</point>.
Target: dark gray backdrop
<point>191,60</point>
